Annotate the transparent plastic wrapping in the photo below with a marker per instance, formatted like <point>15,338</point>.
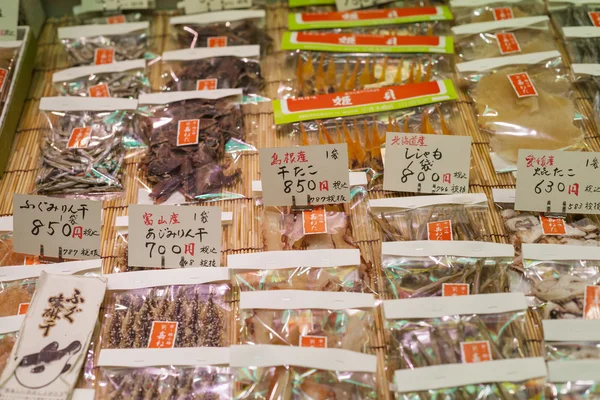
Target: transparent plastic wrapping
<point>110,17</point>
<point>573,13</point>
<point>572,350</point>
<point>8,57</point>
<point>587,80</point>
<point>428,28</point>
<point>7,342</point>
<point>14,294</point>
<point>573,390</point>
<point>583,44</point>
<point>468,11</point>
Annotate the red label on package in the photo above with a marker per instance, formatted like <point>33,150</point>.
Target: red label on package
<point>553,226</point>
<point>32,260</point>
<point>80,138</point>
<point>441,230</point>
<point>474,352</point>
<point>99,90</point>
<point>364,40</point>
<point>23,307</point>
<point>217,41</point>
<point>315,221</point>
<point>591,301</point>
<point>455,289</point>
<point>104,56</point>
<point>507,42</point>
<point>116,19</point>
<point>313,341</point>
<point>187,132</point>
<point>366,15</point>
<point>3,73</point>
<point>502,13</point>
<point>594,17</point>
<point>206,84</point>
<point>522,84</point>
<point>162,335</point>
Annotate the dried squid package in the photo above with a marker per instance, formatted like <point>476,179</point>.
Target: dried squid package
<point>471,11</point>
<point>294,373</point>
<point>564,281</point>
<point>574,12</point>
<point>570,339</point>
<point>524,102</point>
<point>502,38</point>
<point>445,268</point>
<point>124,79</point>
<point>9,330</point>
<point>583,44</point>
<point>104,44</point>
<point>168,308</point>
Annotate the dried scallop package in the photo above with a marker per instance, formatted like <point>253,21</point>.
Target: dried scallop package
<point>571,340</point>
<point>574,12</point>
<point>471,11</point>
<point>583,44</point>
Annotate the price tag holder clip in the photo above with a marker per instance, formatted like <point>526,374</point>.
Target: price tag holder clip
<point>548,208</point>
<point>296,208</point>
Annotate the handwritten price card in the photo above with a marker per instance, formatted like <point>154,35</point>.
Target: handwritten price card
<point>174,236</point>
<point>427,163</point>
<point>558,181</point>
<point>9,19</point>
<point>57,227</point>
<point>306,175</point>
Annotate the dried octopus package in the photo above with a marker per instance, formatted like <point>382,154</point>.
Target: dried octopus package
<point>471,11</point>
<point>563,280</point>
<point>168,308</point>
<point>574,12</point>
<point>104,44</point>
<point>502,38</point>
<point>194,139</point>
<point>222,28</point>
<point>583,44</point>
<point>230,67</point>
<point>190,373</point>
<point>571,339</point>
<point>294,373</point>
<point>84,149</point>
<point>523,102</point>
<point>124,79</point>
<point>9,330</point>
<point>308,319</point>
<point>332,62</point>
<point>445,268</point>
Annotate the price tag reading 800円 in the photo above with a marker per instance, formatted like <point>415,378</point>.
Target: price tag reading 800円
<point>305,175</point>
<point>345,5</point>
<point>558,181</point>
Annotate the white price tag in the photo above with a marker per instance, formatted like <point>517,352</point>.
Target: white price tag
<point>9,19</point>
<point>174,236</point>
<point>344,5</point>
<point>421,163</point>
<point>305,175</point>
<point>558,181</point>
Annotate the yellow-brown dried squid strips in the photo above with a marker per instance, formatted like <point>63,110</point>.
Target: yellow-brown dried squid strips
<point>470,11</point>
<point>574,12</point>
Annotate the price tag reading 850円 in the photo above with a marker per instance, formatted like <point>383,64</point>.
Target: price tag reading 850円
<point>305,175</point>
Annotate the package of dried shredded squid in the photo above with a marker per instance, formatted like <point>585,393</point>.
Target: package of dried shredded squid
<point>572,339</point>
<point>9,330</point>
<point>168,308</point>
<point>286,372</point>
<point>124,79</point>
<point>471,11</point>
<point>523,102</point>
<point>104,44</point>
<point>563,281</point>
<point>574,12</point>
<point>583,44</point>
<point>573,379</point>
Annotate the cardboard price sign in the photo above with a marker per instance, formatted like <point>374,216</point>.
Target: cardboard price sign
<point>305,175</point>
<point>558,182</point>
<point>174,236</point>
<point>9,19</point>
<point>55,227</point>
<point>427,163</point>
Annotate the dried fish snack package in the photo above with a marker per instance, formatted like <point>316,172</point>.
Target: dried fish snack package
<point>574,12</point>
<point>295,373</point>
<point>308,319</point>
<point>445,268</point>
<point>322,63</point>
<point>188,307</point>
<point>84,149</point>
<point>9,330</point>
<point>523,102</point>
<point>436,217</point>
<point>583,44</point>
<point>339,270</point>
<point>124,79</point>
<point>573,379</point>
<point>222,28</point>
<point>562,281</point>
<point>571,339</point>
<point>175,373</point>
<point>471,11</point>
<point>194,139</point>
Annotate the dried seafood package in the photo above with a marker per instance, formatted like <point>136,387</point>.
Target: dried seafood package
<point>572,339</point>
<point>583,44</point>
<point>109,17</point>
<point>322,63</point>
<point>83,151</point>
<point>523,102</point>
<point>431,28</point>
<point>308,319</point>
<point>471,11</point>
<point>294,373</point>
<point>9,330</point>
<point>574,12</point>
<point>502,38</point>
<point>563,281</point>
<point>7,254</point>
<point>437,217</point>
<point>104,44</point>
<point>168,308</point>
<point>9,50</point>
<point>124,79</point>
<point>445,268</point>
<point>190,373</point>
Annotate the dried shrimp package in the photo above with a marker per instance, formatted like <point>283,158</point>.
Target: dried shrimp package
<point>445,268</point>
<point>9,330</point>
<point>125,79</point>
<point>437,217</point>
<point>194,139</point>
<point>502,38</point>
<point>168,308</point>
<point>104,44</point>
<point>471,11</point>
<point>574,12</point>
<point>294,373</point>
<point>83,151</point>
<point>583,44</point>
<point>563,280</point>
<point>572,339</point>
<point>523,102</point>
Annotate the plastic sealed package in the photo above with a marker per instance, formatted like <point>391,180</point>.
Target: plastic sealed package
<point>9,330</point>
<point>9,50</point>
<point>571,340</point>
<point>110,17</point>
<point>431,28</point>
<point>470,11</point>
<point>574,12</point>
<point>587,78</point>
<point>583,44</point>
<point>524,101</point>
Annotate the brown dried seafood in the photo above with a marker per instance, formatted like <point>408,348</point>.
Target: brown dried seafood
<point>123,84</point>
<point>556,351</point>
<point>7,342</point>
<point>15,293</point>
<point>430,28</point>
<point>470,12</point>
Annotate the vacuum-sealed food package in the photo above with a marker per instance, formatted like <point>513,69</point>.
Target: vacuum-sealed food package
<point>502,38</point>
<point>523,102</point>
<point>286,372</point>
<point>563,281</point>
<point>470,11</point>
<point>9,330</point>
<point>574,12</point>
<point>572,339</point>
<point>583,44</point>
<point>125,79</point>
<point>104,44</point>
<point>445,268</point>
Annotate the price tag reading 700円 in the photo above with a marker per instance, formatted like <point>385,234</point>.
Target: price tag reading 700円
<point>427,163</point>
<point>174,236</point>
<point>558,181</point>
<point>305,175</point>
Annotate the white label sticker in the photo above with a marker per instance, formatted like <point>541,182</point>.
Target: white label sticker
<point>9,19</point>
<point>344,5</point>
